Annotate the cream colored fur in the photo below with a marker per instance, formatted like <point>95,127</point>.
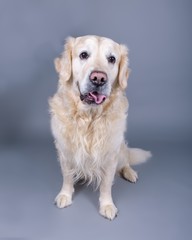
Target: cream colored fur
<point>90,138</point>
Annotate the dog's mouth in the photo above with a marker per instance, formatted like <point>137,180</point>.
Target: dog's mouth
<point>93,97</point>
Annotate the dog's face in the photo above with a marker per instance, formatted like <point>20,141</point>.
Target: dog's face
<point>94,65</point>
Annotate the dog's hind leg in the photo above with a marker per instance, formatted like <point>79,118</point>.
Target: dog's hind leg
<point>129,174</point>
<point>128,157</point>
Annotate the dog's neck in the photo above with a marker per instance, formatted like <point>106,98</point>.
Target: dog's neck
<point>73,105</point>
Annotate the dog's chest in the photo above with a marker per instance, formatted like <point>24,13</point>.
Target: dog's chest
<point>89,134</point>
<point>93,137</point>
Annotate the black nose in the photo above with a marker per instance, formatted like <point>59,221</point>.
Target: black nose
<point>98,78</point>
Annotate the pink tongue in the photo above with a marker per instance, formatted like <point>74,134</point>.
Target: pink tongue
<point>98,98</point>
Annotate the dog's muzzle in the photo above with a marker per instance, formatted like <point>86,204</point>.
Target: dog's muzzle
<point>93,97</point>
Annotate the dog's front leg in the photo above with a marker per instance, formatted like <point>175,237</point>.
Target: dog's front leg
<point>64,198</point>
<point>107,207</point>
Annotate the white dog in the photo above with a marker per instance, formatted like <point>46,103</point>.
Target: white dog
<point>88,118</point>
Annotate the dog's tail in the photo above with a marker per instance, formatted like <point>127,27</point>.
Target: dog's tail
<point>137,156</point>
<point>134,156</point>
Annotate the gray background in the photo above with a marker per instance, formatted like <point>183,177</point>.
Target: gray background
<point>159,36</point>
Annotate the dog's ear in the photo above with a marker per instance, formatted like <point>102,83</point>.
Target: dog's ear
<point>63,64</point>
<point>123,67</point>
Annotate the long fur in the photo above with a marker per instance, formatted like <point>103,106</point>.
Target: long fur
<point>89,134</point>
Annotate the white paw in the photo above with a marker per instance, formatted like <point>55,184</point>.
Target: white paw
<point>129,174</point>
<point>108,211</point>
<point>63,200</point>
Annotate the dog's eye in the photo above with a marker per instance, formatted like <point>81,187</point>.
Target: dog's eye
<point>84,55</point>
<point>111,59</point>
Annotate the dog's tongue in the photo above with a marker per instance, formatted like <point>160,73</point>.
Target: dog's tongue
<point>98,98</point>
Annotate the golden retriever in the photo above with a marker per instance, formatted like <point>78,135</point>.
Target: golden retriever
<point>88,118</point>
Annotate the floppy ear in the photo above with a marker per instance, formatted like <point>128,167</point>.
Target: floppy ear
<point>63,64</point>
<point>123,67</point>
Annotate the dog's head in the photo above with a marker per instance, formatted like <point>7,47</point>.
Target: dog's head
<point>94,66</point>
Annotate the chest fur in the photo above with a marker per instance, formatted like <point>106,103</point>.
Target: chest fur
<point>92,136</point>
<point>88,133</point>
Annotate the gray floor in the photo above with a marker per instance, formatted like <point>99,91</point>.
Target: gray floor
<point>158,206</point>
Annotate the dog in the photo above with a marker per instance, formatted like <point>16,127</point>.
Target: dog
<point>88,118</point>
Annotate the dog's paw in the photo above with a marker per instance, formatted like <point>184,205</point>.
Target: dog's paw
<point>108,211</point>
<point>63,200</point>
<point>129,174</point>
